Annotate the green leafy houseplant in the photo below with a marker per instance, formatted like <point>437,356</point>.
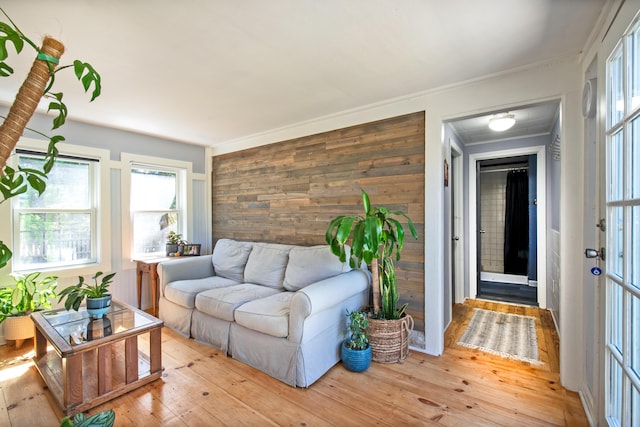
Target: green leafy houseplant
<point>357,329</point>
<point>106,419</point>
<point>27,295</point>
<point>355,351</point>
<point>175,244</point>
<point>174,238</point>
<point>39,83</point>
<point>74,295</point>
<point>376,238</point>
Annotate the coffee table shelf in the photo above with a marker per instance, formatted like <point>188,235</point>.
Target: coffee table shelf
<point>87,362</point>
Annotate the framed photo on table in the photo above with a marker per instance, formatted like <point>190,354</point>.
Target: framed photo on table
<point>191,249</point>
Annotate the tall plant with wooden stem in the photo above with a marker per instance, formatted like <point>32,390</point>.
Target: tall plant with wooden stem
<point>376,238</point>
<point>39,83</point>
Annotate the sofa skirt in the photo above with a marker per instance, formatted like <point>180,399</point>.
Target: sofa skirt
<point>274,356</point>
<point>210,330</point>
<point>175,316</point>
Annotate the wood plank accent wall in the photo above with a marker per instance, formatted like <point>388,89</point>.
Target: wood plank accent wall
<point>289,191</point>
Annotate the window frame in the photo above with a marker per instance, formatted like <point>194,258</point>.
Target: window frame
<point>184,176</point>
<point>622,296</point>
<point>101,226</point>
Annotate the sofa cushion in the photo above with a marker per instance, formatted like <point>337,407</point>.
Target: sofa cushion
<point>229,258</point>
<point>183,292</point>
<point>268,315</point>
<point>266,265</point>
<point>222,302</point>
<point>308,265</point>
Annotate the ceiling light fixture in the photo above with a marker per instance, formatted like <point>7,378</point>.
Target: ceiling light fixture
<point>501,122</point>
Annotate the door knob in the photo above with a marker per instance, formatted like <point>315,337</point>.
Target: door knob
<point>482,231</point>
<point>594,253</point>
<point>456,238</point>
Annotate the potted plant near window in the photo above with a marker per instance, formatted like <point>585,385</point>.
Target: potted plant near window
<point>355,351</point>
<point>97,295</point>
<point>377,238</point>
<point>17,302</point>
<point>175,244</point>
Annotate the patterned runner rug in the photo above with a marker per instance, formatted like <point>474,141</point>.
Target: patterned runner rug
<point>503,334</point>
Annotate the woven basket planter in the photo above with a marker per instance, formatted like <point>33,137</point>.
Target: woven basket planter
<point>389,339</point>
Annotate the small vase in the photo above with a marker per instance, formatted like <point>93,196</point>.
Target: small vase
<point>97,307</point>
<point>355,360</point>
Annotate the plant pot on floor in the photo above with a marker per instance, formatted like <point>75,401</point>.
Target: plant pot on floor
<point>355,360</point>
<point>97,307</point>
<point>389,339</point>
<point>18,329</point>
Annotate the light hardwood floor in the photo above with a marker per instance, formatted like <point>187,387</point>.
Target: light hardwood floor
<point>201,387</point>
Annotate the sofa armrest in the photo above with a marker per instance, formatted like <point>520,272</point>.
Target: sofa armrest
<point>322,295</point>
<point>186,268</point>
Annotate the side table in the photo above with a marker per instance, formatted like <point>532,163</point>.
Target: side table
<point>149,265</point>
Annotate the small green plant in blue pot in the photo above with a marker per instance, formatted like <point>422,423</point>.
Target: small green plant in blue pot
<point>97,295</point>
<point>355,350</point>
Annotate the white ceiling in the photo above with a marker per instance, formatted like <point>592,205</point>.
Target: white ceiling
<point>536,119</point>
<point>211,71</point>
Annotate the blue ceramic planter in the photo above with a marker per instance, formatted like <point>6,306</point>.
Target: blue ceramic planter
<point>97,307</point>
<point>355,360</point>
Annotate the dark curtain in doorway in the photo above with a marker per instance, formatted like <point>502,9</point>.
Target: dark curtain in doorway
<point>516,223</point>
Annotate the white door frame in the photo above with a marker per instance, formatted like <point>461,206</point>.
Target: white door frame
<point>457,178</point>
<point>540,152</point>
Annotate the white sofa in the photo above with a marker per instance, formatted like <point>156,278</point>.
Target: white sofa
<point>279,308</point>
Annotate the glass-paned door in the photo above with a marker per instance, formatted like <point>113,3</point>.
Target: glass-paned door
<point>622,352</point>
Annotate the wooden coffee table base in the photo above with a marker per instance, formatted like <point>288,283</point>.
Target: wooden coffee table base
<point>94,374</point>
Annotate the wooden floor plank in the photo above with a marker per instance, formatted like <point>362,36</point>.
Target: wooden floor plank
<point>202,386</point>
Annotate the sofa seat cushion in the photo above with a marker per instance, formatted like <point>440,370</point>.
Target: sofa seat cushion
<point>229,258</point>
<point>183,292</point>
<point>308,265</point>
<point>222,302</point>
<point>266,265</point>
<point>268,315</point>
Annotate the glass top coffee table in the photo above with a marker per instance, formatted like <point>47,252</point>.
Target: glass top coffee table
<point>86,362</point>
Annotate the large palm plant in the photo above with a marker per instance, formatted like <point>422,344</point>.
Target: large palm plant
<point>375,237</point>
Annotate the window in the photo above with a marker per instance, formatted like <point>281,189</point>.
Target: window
<point>155,200</point>
<point>59,228</point>
<point>156,207</point>
<point>622,351</point>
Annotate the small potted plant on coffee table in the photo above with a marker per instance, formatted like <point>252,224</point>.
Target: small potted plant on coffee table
<point>97,295</point>
<point>355,350</point>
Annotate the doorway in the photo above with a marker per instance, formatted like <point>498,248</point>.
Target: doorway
<point>538,230</point>
<point>506,249</point>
